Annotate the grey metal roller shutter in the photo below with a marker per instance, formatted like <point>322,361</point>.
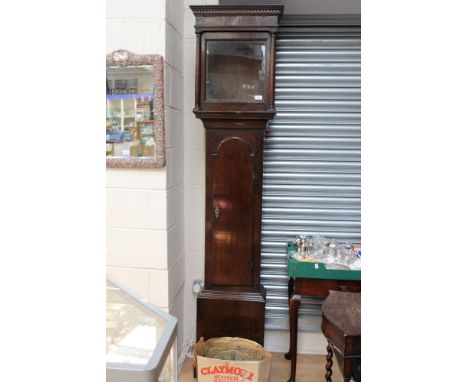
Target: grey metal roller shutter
<point>312,169</point>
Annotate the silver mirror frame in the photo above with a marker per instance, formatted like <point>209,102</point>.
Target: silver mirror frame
<point>124,58</point>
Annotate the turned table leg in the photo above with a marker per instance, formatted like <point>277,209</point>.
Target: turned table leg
<point>293,316</point>
<point>329,365</point>
<point>290,294</point>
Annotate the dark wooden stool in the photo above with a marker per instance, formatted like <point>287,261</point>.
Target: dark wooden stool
<point>341,325</point>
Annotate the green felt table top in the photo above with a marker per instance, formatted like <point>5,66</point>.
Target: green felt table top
<point>305,269</point>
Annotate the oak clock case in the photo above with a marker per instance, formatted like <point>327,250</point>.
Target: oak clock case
<point>234,97</point>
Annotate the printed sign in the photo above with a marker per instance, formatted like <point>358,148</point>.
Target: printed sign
<point>226,370</point>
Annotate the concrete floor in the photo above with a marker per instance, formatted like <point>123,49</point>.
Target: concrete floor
<point>310,368</point>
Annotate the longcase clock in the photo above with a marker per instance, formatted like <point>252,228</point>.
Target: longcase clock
<point>234,97</point>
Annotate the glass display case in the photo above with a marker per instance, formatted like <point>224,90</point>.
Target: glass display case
<point>134,110</point>
<point>140,339</point>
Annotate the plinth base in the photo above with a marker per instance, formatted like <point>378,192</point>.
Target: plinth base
<point>231,314</point>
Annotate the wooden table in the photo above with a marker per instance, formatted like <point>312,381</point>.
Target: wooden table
<point>309,279</point>
<point>341,325</point>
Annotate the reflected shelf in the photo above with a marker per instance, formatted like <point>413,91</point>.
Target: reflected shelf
<point>129,96</point>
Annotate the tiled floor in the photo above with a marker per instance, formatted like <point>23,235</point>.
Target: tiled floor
<point>310,368</point>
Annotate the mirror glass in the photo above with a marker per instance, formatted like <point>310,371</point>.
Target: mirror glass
<point>129,107</point>
<point>235,70</point>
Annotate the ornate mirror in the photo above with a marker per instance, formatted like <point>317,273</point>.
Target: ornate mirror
<point>134,110</point>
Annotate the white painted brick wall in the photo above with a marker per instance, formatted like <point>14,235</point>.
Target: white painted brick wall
<point>176,308</point>
<point>193,208</point>
<point>140,209</point>
<point>136,9</point>
<point>194,167</point>
<point>176,277</point>
<point>175,164</point>
<point>137,248</point>
<point>152,41</point>
<point>145,207</point>
<point>174,136</point>
<point>175,205</point>
<point>137,245</point>
<point>136,25</point>
<point>189,94</point>
<point>175,236</point>
<point>136,179</point>
<point>148,283</point>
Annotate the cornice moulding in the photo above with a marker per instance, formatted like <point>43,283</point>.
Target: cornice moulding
<point>251,10</point>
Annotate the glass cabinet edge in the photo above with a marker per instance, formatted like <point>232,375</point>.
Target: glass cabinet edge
<point>163,348</point>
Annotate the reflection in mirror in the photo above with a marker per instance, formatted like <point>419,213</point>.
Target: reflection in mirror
<point>134,110</point>
<point>130,121</point>
<point>235,70</point>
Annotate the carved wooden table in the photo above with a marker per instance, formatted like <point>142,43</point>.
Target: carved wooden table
<point>310,279</point>
<point>341,325</point>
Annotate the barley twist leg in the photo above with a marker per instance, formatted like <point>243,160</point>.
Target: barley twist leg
<point>329,365</point>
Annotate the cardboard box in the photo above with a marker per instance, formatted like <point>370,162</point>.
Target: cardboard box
<point>148,151</point>
<point>242,360</point>
<point>139,150</point>
<point>136,150</point>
